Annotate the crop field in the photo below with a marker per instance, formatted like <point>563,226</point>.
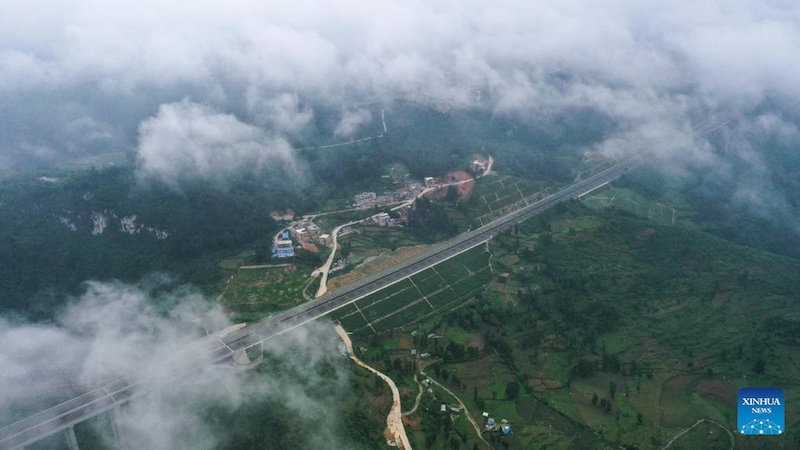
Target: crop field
<point>497,196</point>
<point>423,294</point>
<point>391,303</point>
<point>386,292</point>
<point>632,202</point>
<point>442,298</point>
<point>403,317</point>
<point>428,281</point>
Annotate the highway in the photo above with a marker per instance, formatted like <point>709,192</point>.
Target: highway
<point>107,397</point>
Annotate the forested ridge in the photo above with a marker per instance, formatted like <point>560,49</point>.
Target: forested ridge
<point>50,240</point>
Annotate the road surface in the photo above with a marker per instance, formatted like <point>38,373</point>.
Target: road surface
<point>323,271</point>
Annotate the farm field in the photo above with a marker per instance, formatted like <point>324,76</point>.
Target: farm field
<point>422,294</point>
<point>630,201</point>
<point>497,195</point>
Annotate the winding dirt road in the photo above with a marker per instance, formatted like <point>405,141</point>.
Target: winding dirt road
<point>323,271</point>
<point>463,408</point>
<point>394,421</point>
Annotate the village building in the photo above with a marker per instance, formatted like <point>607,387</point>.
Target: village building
<point>365,199</point>
<point>312,228</point>
<point>478,166</point>
<point>383,220</point>
<point>283,246</point>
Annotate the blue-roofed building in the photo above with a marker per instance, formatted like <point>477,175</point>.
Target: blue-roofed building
<point>283,248</point>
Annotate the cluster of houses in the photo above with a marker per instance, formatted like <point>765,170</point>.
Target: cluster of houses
<point>493,426</point>
<point>366,200</point>
<point>303,231</point>
<point>383,220</point>
<point>478,166</point>
<point>306,231</point>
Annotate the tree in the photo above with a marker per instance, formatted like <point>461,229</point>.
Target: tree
<point>452,194</point>
<point>759,365</point>
<point>611,364</point>
<point>584,368</point>
<point>512,390</point>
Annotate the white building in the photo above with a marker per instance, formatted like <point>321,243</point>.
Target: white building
<point>365,198</point>
<point>382,219</point>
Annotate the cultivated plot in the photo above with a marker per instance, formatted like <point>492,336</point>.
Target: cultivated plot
<point>437,289</point>
<point>632,202</point>
<point>497,196</point>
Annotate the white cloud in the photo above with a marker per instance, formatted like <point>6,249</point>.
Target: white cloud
<point>284,113</point>
<point>187,140</point>
<point>640,64</point>
<point>351,122</point>
<point>115,330</point>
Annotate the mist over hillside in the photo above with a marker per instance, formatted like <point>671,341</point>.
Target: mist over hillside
<point>208,92</point>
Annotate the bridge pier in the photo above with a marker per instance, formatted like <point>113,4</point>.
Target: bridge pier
<point>72,441</point>
<point>114,431</point>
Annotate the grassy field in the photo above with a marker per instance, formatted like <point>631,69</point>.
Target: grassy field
<point>233,263</point>
<point>257,292</point>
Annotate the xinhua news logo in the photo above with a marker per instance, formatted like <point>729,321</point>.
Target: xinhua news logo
<point>760,411</point>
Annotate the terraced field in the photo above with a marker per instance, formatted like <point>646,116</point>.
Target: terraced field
<point>437,289</point>
<point>496,196</point>
<point>632,202</point>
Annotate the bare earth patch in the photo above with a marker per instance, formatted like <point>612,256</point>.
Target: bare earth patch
<point>476,340</point>
<point>717,390</point>
<point>406,343</point>
<point>646,233</point>
<point>510,260</point>
<point>377,264</point>
<point>464,189</point>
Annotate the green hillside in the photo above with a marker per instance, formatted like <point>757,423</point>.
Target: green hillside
<point>614,330</point>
